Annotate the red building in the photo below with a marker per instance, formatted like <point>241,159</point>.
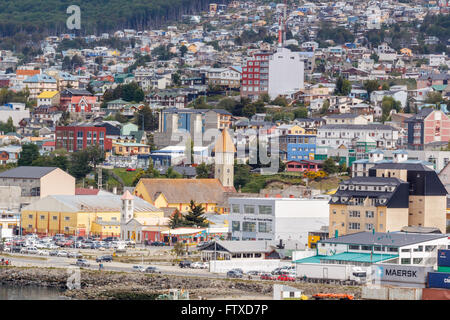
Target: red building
<point>81,104</point>
<point>303,165</point>
<point>74,138</point>
<point>427,126</point>
<point>255,75</point>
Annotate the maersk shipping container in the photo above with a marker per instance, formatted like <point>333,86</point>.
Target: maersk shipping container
<point>444,258</point>
<point>439,280</point>
<point>443,269</point>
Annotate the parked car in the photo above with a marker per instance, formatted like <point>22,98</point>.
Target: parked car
<point>75,255</point>
<point>151,270</point>
<point>62,254</point>
<point>82,263</point>
<point>43,252</point>
<point>131,169</point>
<point>254,273</point>
<point>197,265</point>
<point>234,274</point>
<point>53,253</point>
<point>185,264</point>
<point>285,277</point>
<point>267,276</point>
<point>107,258</point>
<point>158,243</point>
<point>238,270</point>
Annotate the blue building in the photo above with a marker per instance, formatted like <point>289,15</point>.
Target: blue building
<point>298,147</point>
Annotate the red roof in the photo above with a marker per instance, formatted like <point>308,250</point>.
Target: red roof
<point>49,144</point>
<point>86,191</point>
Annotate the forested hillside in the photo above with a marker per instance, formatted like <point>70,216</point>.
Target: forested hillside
<point>49,16</point>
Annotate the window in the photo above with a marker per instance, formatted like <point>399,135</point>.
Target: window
<point>366,248</point>
<point>66,229</point>
<point>30,216</point>
<point>392,250</point>
<point>370,214</point>
<point>353,226</point>
<point>235,208</point>
<point>369,226</point>
<point>66,218</point>
<point>418,249</point>
<point>417,260</point>
<point>353,247</point>
<point>249,208</point>
<point>406,261</point>
<point>265,209</point>
<point>236,226</point>
<point>354,214</point>
<point>264,227</point>
<point>55,218</point>
<point>42,217</point>
<point>248,226</point>
<point>406,250</point>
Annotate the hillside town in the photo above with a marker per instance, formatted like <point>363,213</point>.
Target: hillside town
<point>300,141</point>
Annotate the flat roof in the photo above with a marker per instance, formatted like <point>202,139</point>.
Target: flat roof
<point>390,239</point>
<point>350,257</point>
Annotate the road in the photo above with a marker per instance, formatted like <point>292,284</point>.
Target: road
<point>22,260</point>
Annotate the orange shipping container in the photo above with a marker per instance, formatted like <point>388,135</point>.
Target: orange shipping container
<point>435,294</point>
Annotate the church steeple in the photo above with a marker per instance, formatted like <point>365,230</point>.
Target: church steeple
<point>224,159</point>
<point>126,212</point>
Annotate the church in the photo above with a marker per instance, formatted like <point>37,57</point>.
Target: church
<point>211,194</point>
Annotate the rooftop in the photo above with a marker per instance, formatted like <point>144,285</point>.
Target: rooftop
<point>27,172</point>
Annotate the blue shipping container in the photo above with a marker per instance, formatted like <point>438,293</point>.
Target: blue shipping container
<point>439,280</point>
<point>444,258</point>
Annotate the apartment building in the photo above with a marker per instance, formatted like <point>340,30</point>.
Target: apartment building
<point>255,75</point>
<point>394,195</point>
<point>80,136</point>
<point>331,136</point>
<point>427,126</point>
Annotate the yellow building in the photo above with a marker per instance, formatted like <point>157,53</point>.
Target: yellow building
<point>177,193</point>
<point>130,148</point>
<point>393,196</point>
<point>81,215</point>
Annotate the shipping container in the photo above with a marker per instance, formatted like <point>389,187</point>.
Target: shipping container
<point>439,280</point>
<point>444,257</point>
<point>324,271</point>
<point>435,294</point>
<point>443,269</point>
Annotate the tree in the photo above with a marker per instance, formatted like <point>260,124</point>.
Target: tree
<point>29,153</point>
<point>95,155</point>
<point>176,220</point>
<point>8,126</point>
<point>387,105</point>
<point>79,164</point>
<point>194,217</point>
<point>371,85</point>
<point>203,171</point>
<point>301,113</point>
<point>385,86</point>
<point>183,50</point>
<point>242,175</point>
<point>434,98</point>
<point>172,174</point>
<point>280,101</point>
<point>343,87</point>
<point>329,166</point>
<point>148,117</point>
<point>325,107</point>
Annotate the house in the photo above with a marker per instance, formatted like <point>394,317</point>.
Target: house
<point>69,95</point>
<point>39,83</point>
<point>304,166</point>
<point>298,146</point>
<point>48,98</point>
<point>82,104</point>
<point>78,136</point>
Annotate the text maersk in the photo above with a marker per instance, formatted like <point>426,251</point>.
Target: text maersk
<point>401,273</point>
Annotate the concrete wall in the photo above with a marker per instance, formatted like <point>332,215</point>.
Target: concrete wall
<point>16,116</point>
<point>10,197</point>
<point>394,293</point>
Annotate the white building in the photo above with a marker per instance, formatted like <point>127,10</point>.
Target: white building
<point>336,135</point>
<point>286,73</point>
<point>14,110</point>
<point>276,218</point>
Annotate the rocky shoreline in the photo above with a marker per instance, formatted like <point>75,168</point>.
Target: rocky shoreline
<point>107,285</point>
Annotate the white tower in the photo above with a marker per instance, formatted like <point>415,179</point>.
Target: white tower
<point>375,155</point>
<point>400,155</point>
<point>224,159</point>
<point>126,213</point>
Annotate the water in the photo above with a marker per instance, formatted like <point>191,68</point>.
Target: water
<point>11,292</point>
